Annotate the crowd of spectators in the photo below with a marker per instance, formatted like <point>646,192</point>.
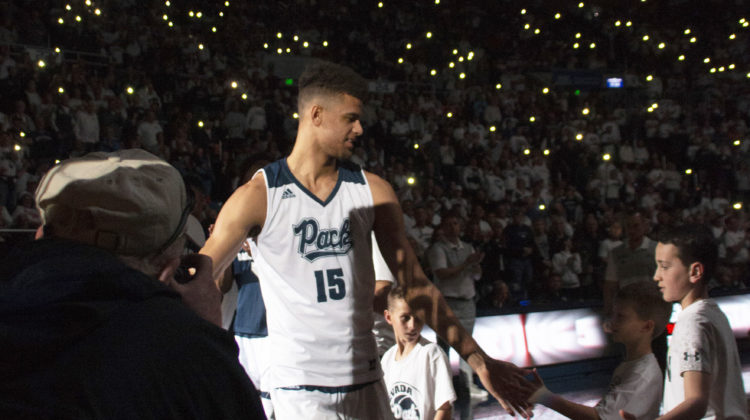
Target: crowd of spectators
<point>541,172</point>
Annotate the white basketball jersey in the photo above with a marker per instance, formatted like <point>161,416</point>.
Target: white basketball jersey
<point>314,262</point>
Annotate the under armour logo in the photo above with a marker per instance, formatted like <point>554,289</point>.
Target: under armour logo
<point>696,357</point>
<point>287,194</point>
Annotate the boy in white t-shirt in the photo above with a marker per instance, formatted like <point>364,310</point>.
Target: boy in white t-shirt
<point>639,315</point>
<point>704,375</point>
<point>417,373</point>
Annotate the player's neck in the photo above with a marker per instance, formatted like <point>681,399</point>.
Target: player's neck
<point>695,294</point>
<point>310,166</point>
<point>637,350</point>
<point>404,348</point>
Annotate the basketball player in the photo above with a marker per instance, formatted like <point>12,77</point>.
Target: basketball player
<point>311,214</point>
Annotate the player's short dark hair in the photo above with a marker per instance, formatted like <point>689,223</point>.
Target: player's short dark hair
<point>646,300</point>
<point>324,77</point>
<point>396,293</point>
<point>694,243</point>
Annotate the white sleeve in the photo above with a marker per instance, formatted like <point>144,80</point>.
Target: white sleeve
<point>441,372</point>
<point>382,272</point>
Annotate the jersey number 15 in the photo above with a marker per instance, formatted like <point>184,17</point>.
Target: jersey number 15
<point>336,288</point>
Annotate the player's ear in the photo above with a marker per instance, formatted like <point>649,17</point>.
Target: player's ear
<point>649,325</point>
<point>316,113</point>
<point>696,271</point>
<point>387,316</point>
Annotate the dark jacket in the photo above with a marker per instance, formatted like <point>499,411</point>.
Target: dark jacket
<point>84,336</point>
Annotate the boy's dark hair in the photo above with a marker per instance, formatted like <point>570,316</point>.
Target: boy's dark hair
<point>646,300</point>
<point>694,243</point>
<point>396,293</point>
<point>324,77</point>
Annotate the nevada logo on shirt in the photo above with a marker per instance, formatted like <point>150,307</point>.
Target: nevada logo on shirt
<point>405,401</point>
<point>315,242</point>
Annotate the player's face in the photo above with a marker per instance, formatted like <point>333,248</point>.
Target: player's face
<point>406,325</point>
<point>626,326</point>
<point>341,126</point>
<point>672,276</point>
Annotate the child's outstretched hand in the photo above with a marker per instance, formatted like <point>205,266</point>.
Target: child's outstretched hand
<point>541,394</point>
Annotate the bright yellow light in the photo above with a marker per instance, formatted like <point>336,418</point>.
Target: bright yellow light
<point>462,76</point>
<point>537,30</point>
<point>575,45</point>
<point>592,45</point>
<point>545,90</point>
<point>410,180</point>
<point>234,84</point>
<point>645,37</point>
<point>200,46</point>
<point>165,17</point>
<point>325,43</point>
<point>737,142</point>
<point>449,115</point>
<point>748,75</point>
<point>707,60</point>
<point>279,35</point>
<point>618,23</point>
<point>737,206</point>
<point>650,109</point>
<point>433,72</point>
<point>295,38</point>
<point>742,20</point>
<point>744,25</point>
<point>557,16</point>
<point>655,105</point>
<point>170,24</point>
<point>546,152</point>
<point>265,45</point>
<point>693,39</point>
<point>61,90</point>
<point>523,11</point>
<point>532,118</point>
<point>470,56</point>
<point>731,66</point>
<point>288,50</point>
<point>191,13</point>
<point>167,3</point>
<point>688,171</point>
<point>649,78</point>
<point>662,45</point>
<point>542,207</point>
<point>199,15</point>
<point>213,29</point>
<point>226,3</point>
<point>41,64</point>
<point>69,8</point>
<point>579,136</point>
<point>97,12</point>
<point>221,14</point>
<point>200,124</point>
<point>130,90</point>
<point>687,31</point>
<point>416,146</point>
<point>17,148</point>
<point>455,52</point>
<point>22,134</point>
<point>492,128</point>
<point>580,5</point>
<point>628,23</point>
<point>578,35</point>
<point>400,60</point>
<point>681,57</point>
<point>57,50</point>
<point>451,64</point>
<point>527,26</point>
<point>279,51</point>
<point>57,161</point>
<point>606,157</point>
<point>60,21</point>
<point>428,35</point>
<point>733,36</point>
<point>437,1</point>
<point>721,68</point>
<point>461,59</point>
<point>380,5</point>
<point>88,2</point>
<point>500,85</point>
<point>713,70</point>
<point>526,152</point>
<point>585,111</point>
<point>295,116</point>
<point>244,96</point>
<point>305,44</point>
<point>408,46</point>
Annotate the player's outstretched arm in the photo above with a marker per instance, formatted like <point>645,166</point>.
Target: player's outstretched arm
<point>241,216</point>
<point>503,380</point>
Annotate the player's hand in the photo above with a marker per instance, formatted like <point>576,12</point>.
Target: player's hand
<point>506,382</point>
<point>542,394</point>
<point>198,291</point>
<point>627,416</point>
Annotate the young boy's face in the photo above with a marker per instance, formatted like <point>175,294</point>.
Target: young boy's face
<point>672,276</point>
<point>626,326</point>
<point>406,325</point>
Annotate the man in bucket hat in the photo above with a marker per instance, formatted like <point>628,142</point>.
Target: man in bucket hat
<point>94,320</point>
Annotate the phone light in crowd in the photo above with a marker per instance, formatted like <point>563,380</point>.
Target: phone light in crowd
<point>662,45</point>
<point>578,35</point>
<point>545,90</point>
<point>731,66</point>
<point>408,46</point>
<point>449,115</point>
<point>523,11</point>
<point>279,35</point>
<point>575,46</point>
<point>580,5</point>
<point>461,59</point>
<point>645,38</point>
<point>60,21</point>
<point>558,16</point>
<point>226,3</point>
<point>628,24</point>
<point>733,36</point>
<point>200,123</point>
<point>288,50</point>
<point>470,56</point>
<point>737,142</point>
<point>410,180</point>
<point>17,148</point>
<point>437,1</point>
<point>688,171</point>
<point>721,68</point>
<point>462,76</point>
<point>244,96</point>
<point>537,30</point>
<point>305,44</point>
<point>748,75</point>
<point>199,15</point>
<point>22,134</point>
<point>579,136</point>
<point>57,50</point>
<point>693,40</point>
<point>532,118</point>
<point>170,24</point>
<point>542,207</point>
<point>618,23</point>
<point>451,64</point>
<point>606,157</point>
<point>493,128</point>
<point>97,12</point>
<point>681,57</point>
<point>526,152</point>
<point>433,72</point>
<point>707,60</point>
<point>712,70</point>
<point>234,84</point>
<point>649,78</point>
<point>737,206</point>
<point>200,46</point>
<point>500,86</point>
<point>61,90</point>
<point>68,7</point>
<point>41,64</point>
<point>428,35</point>
<point>221,14</point>
<point>380,5</point>
<point>400,60</point>
<point>650,109</point>
<point>546,152</point>
<point>57,161</point>
<point>455,51</point>
<point>165,17</point>
<point>279,50</point>
<point>592,45</point>
<point>167,3</point>
<point>743,20</point>
<point>191,13</point>
<point>130,90</point>
<point>325,43</point>
<point>416,146</point>
<point>585,111</point>
<point>295,116</point>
